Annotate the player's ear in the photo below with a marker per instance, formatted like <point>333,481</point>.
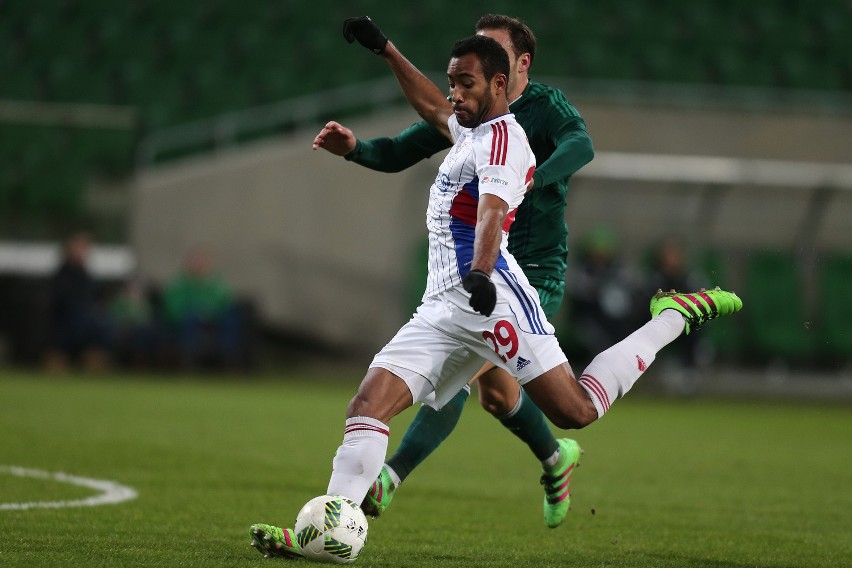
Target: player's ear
<point>500,83</point>
<point>524,62</point>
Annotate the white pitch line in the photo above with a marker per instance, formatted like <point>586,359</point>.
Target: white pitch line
<point>111,492</point>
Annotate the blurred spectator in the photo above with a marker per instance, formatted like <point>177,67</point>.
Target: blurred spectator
<point>134,326</point>
<point>603,295</point>
<point>78,324</point>
<point>202,313</point>
<point>669,271</point>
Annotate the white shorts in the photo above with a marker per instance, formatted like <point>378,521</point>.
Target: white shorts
<point>444,343</point>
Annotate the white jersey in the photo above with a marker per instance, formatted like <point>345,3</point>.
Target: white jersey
<point>494,157</point>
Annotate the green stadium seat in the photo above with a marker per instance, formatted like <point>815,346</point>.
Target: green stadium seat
<point>728,338</point>
<point>774,308</point>
<point>106,151</point>
<point>706,23</point>
<point>800,69</point>
<point>53,188</point>
<point>74,81</point>
<point>668,63</point>
<point>10,181</point>
<point>179,61</point>
<point>734,67</point>
<point>120,41</point>
<point>835,307</point>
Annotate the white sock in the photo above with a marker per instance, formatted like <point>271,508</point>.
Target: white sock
<point>550,462</point>
<point>614,371</point>
<point>359,458</point>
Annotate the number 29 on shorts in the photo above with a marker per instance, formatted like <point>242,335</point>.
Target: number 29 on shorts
<point>504,340</point>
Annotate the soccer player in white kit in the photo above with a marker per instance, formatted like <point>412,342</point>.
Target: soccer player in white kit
<point>478,303</point>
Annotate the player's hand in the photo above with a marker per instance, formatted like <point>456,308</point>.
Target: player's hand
<point>366,32</point>
<point>483,293</point>
<point>335,138</point>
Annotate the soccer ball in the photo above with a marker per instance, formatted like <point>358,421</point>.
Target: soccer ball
<point>331,529</point>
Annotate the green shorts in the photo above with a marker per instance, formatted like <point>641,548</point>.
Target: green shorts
<point>551,292</point>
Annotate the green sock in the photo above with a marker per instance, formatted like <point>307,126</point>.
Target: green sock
<point>429,428</point>
<point>528,423</point>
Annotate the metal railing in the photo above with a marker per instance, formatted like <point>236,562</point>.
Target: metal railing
<point>227,129</point>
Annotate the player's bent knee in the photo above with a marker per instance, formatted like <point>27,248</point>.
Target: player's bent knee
<point>358,406</point>
<point>381,396</point>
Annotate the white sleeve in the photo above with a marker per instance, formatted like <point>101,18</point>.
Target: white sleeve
<point>504,164</point>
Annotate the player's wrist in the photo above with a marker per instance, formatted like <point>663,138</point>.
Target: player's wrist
<point>354,153</point>
<point>479,271</point>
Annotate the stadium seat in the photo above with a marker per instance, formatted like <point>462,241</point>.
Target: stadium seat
<point>53,187</point>
<point>179,61</point>
<point>106,151</point>
<point>835,307</point>
<point>726,338</point>
<point>774,308</point>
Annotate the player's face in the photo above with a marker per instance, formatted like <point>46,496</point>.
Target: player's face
<point>472,96</point>
<point>502,37</point>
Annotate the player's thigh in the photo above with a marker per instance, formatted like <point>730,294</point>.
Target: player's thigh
<point>498,390</point>
<point>428,359</point>
<point>561,398</point>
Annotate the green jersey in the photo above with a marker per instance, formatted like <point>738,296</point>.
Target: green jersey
<point>558,138</point>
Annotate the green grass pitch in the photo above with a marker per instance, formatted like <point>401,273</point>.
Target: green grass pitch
<point>663,483</point>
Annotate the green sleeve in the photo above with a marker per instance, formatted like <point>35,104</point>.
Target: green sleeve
<point>573,151</point>
<point>417,142</point>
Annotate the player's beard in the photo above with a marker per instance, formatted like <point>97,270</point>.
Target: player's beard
<point>486,104</point>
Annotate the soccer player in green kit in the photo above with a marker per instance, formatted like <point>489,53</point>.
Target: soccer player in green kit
<point>538,240</point>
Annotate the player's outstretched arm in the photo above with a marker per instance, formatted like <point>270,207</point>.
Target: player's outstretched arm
<point>426,98</point>
<point>394,154</point>
<point>424,95</point>
<point>417,142</point>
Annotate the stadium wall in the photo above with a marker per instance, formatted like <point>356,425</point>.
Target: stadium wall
<point>326,247</point>
<point>320,244</point>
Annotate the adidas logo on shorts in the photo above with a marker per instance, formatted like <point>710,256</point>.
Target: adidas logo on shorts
<point>523,363</point>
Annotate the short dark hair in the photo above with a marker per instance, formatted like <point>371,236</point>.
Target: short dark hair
<point>492,56</point>
<point>523,38</point>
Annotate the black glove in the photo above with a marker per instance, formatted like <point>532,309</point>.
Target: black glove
<point>483,293</point>
<point>366,32</point>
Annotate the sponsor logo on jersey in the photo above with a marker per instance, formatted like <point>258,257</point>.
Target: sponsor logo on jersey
<point>495,180</point>
<point>523,363</point>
